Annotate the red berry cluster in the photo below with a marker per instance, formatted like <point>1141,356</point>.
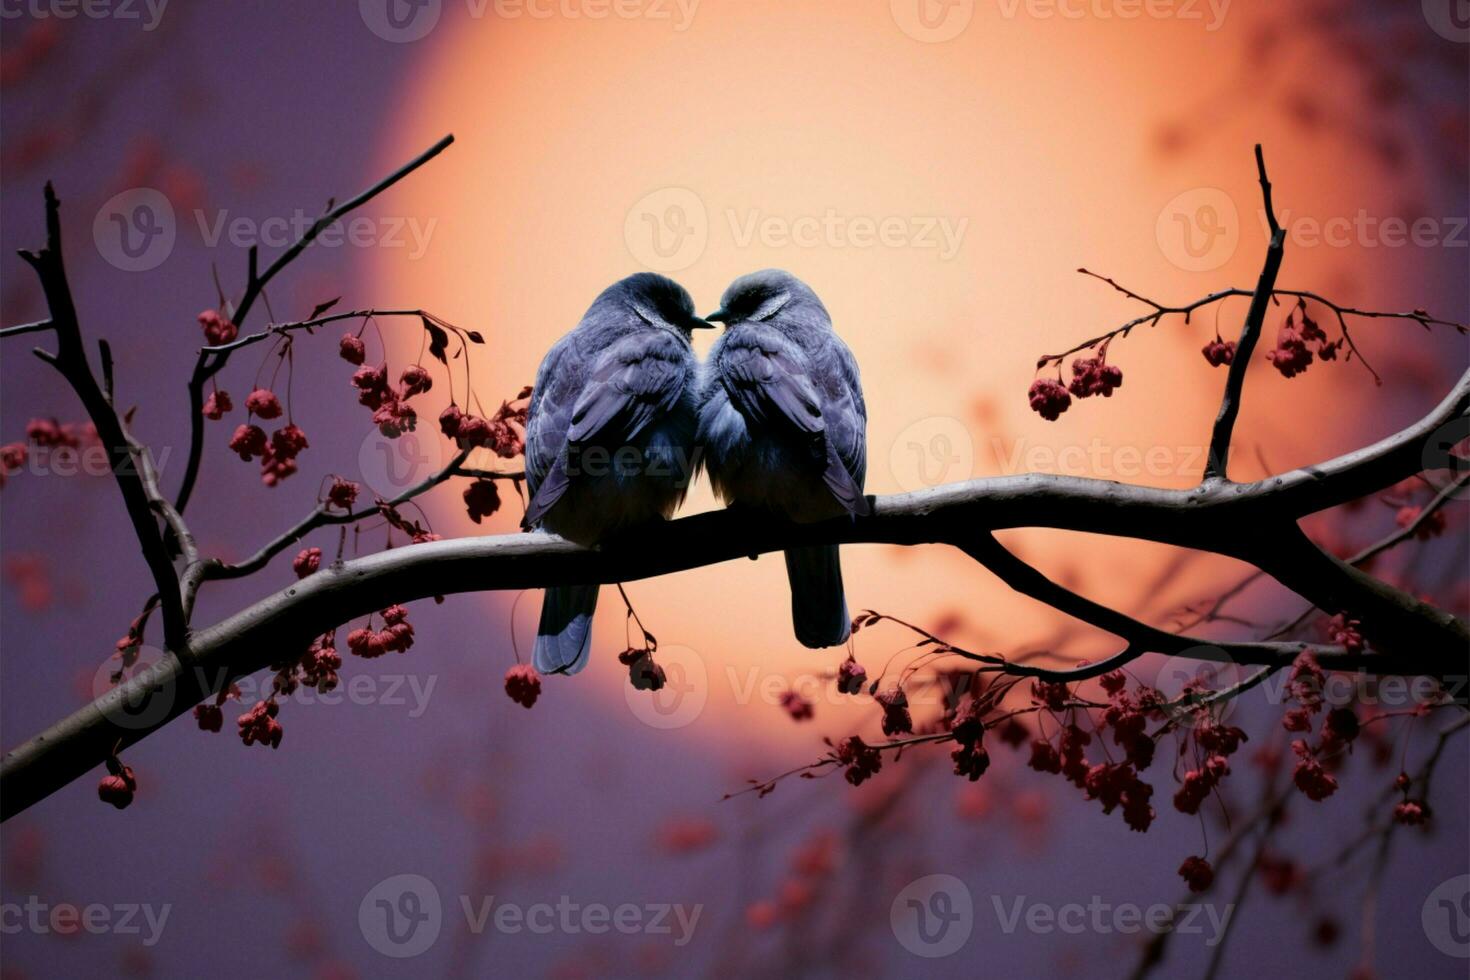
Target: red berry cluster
<point>278,453</point>
<point>523,684</point>
<point>643,673</point>
<point>391,412</point>
<point>481,500</point>
<point>211,717</point>
<point>1095,376</point>
<point>307,560</point>
<point>859,760</point>
<point>119,785</point>
<point>396,636</point>
<point>1214,744</point>
<point>798,707</point>
<point>851,677</point>
<point>1048,398</point>
<point>1293,355</point>
<point>1197,874</point>
<point>1345,632</point>
<point>896,717</point>
<point>259,724</point>
<point>342,494</point>
<point>217,328</point>
<point>970,757</point>
<point>1114,784</point>
<point>1219,353</point>
<point>316,668</point>
<point>1304,687</point>
<point>502,433</point>
<point>217,405</point>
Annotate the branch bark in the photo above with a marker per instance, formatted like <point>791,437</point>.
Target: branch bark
<point>1217,518</point>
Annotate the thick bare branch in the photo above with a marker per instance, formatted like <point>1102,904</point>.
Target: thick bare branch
<point>70,359</point>
<point>1217,465</point>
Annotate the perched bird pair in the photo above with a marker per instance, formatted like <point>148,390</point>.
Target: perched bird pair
<point>623,413</point>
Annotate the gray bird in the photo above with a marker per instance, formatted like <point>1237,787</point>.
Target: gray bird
<point>783,427</point>
<point>610,438</point>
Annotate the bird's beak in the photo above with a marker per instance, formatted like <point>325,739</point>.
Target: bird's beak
<point>695,323</point>
<point>718,316</point>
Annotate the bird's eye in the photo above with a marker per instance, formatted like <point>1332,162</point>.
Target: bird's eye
<point>771,307</point>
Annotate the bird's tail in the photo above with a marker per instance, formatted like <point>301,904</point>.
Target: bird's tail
<point>818,606</point>
<point>564,636</point>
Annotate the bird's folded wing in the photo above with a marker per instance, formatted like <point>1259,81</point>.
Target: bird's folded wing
<point>631,384</point>
<point>771,386</point>
<point>635,381</point>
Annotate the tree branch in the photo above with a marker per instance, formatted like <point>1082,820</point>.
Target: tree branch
<point>71,360</point>
<point>211,363</point>
<point>1217,464</point>
<point>1218,517</point>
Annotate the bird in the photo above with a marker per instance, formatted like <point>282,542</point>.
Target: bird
<point>783,428</point>
<point>610,438</point>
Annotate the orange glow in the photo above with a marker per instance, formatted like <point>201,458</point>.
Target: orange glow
<point>1037,134</point>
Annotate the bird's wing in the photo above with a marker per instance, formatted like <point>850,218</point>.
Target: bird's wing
<point>768,382</point>
<point>635,381</point>
<point>847,414</point>
<point>550,415</point>
<point>630,384</point>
